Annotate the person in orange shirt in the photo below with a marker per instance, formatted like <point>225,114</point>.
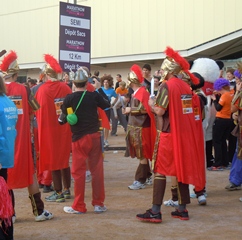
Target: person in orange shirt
<point>221,127</point>
<point>122,90</point>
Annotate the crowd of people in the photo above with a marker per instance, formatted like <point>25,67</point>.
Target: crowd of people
<point>185,111</point>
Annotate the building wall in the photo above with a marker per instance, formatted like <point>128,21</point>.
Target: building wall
<point>119,27</point>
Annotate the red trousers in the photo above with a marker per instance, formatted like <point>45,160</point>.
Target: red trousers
<point>88,147</point>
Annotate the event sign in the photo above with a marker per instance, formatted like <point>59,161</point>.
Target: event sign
<point>75,36</point>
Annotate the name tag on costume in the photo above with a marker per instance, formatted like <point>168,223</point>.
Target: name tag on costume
<point>17,100</point>
<point>186,101</point>
<point>196,114</point>
<point>58,102</point>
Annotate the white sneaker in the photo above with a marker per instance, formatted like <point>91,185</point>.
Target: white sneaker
<point>202,200</point>
<point>171,203</point>
<point>99,209</point>
<point>14,218</point>
<point>88,176</point>
<point>71,210</point>
<point>136,185</point>
<point>106,143</point>
<point>193,195</point>
<point>149,181</point>
<point>46,215</point>
<point>240,199</point>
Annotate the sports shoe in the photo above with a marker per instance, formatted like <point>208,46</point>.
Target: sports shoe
<point>240,199</point>
<point>47,189</point>
<point>182,215</point>
<point>171,203</point>
<point>67,194</point>
<point>106,143</point>
<point>55,197</point>
<point>136,185</point>
<point>202,200</point>
<point>149,181</point>
<point>46,215</point>
<point>193,195</point>
<point>215,169</point>
<point>71,210</point>
<point>99,209</point>
<point>88,176</point>
<point>14,218</point>
<point>232,187</point>
<point>149,216</point>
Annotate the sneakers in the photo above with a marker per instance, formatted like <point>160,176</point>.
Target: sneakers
<point>67,194</point>
<point>202,200</point>
<point>193,195</point>
<point>71,210</point>
<point>106,143</point>
<point>55,197</point>
<point>182,215</point>
<point>215,169</point>
<point>14,218</point>
<point>88,176</point>
<point>46,215</point>
<point>240,199</point>
<point>149,181</point>
<point>232,187</point>
<point>136,185</point>
<point>99,209</point>
<point>47,189</point>
<point>149,216</point>
<point>171,203</point>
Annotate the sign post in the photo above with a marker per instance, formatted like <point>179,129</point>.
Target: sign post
<point>75,36</point>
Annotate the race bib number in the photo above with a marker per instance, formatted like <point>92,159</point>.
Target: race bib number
<point>196,114</point>
<point>17,100</point>
<point>58,103</point>
<point>186,101</point>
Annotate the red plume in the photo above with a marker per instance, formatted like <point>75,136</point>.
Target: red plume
<point>138,71</point>
<point>193,78</point>
<point>177,58</point>
<point>7,60</point>
<point>53,63</point>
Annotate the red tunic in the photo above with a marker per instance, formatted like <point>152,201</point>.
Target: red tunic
<point>54,139</point>
<point>21,175</point>
<point>181,152</point>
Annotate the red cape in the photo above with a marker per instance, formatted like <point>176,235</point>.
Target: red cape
<point>21,175</point>
<point>143,96</point>
<point>101,113</point>
<point>186,137</point>
<point>54,139</point>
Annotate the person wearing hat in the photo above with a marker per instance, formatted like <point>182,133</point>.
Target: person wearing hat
<point>85,129</point>
<point>140,136</point>
<point>178,151</point>
<point>19,176</point>
<point>54,139</point>
<point>221,129</point>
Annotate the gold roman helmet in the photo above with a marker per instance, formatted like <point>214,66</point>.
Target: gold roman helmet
<point>9,65</point>
<point>81,75</point>
<point>173,63</point>
<point>169,66</point>
<point>135,76</point>
<point>52,68</point>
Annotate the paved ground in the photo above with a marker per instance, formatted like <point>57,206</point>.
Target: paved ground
<point>220,219</point>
